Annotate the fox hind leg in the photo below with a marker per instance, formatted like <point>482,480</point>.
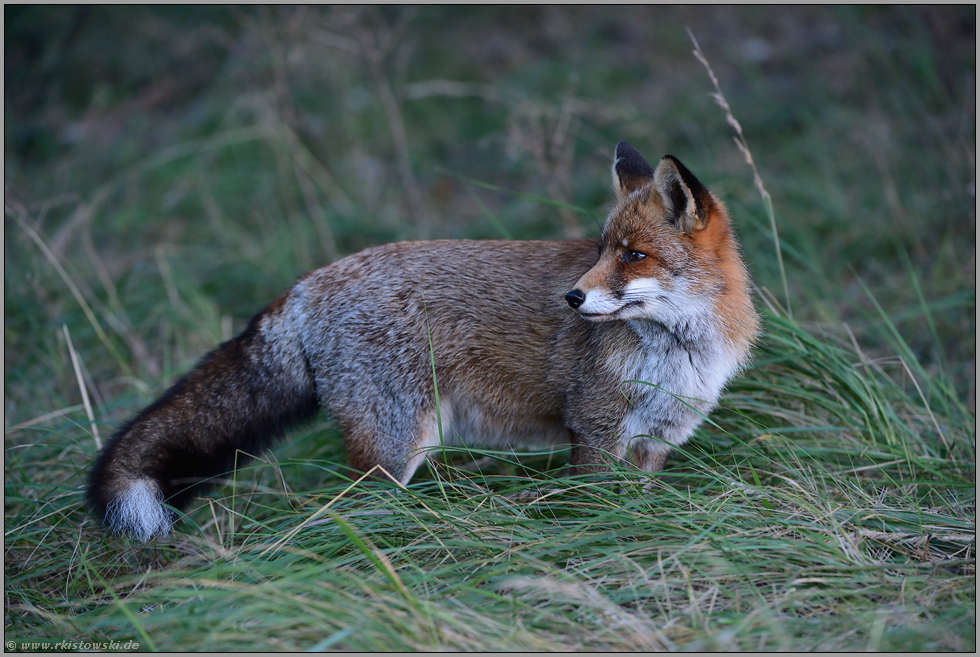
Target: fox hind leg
<point>396,442</point>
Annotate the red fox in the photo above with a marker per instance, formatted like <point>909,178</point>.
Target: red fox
<point>618,346</point>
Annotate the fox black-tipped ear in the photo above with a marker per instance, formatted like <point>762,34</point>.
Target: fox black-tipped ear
<point>629,170</point>
<point>687,201</point>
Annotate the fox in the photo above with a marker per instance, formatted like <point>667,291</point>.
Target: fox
<point>617,346</point>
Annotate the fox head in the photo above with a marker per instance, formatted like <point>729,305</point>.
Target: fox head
<point>666,252</point>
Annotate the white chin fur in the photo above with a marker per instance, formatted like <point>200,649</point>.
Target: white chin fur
<point>139,511</point>
<point>599,304</point>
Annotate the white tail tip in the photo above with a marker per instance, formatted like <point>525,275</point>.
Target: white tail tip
<point>139,511</point>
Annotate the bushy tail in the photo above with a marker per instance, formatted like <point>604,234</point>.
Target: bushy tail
<point>239,398</point>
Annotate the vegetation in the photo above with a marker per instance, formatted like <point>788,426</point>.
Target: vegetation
<point>170,170</point>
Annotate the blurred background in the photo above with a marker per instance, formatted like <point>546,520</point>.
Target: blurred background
<point>171,170</point>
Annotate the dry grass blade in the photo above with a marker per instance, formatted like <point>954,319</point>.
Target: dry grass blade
<point>743,147</point>
<point>82,387</point>
<point>79,297</point>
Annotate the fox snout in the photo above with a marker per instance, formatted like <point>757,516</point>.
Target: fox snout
<point>596,305</point>
<point>599,305</point>
<point>575,298</point>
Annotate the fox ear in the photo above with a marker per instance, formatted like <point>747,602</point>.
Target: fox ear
<point>687,201</point>
<point>629,171</point>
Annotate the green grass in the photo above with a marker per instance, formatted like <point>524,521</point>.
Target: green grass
<point>160,192</point>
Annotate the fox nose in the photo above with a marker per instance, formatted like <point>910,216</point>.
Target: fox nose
<point>575,298</point>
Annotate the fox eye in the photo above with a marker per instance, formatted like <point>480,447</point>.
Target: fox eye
<point>633,256</point>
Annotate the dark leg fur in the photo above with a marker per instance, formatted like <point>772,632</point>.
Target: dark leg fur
<point>240,398</point>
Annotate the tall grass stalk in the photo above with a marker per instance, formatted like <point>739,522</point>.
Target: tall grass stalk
<point>743,148</point>
<point>82,388</point>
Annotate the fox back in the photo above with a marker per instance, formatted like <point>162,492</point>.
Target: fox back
<point>618,346</point>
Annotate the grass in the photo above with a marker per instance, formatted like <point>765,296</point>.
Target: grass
<point>158,194</point>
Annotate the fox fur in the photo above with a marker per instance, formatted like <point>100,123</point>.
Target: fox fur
<point>617,346</point>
